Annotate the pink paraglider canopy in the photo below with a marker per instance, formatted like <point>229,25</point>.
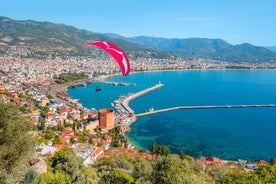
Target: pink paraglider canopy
<point>114,51</point>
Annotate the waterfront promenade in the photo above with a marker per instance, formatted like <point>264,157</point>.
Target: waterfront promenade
<point>205,107</point>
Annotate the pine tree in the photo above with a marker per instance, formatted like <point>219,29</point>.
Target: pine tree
<point>16,145</point>
<point>182,154</point>
<point>153,146</point>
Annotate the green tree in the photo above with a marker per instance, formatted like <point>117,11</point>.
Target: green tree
<point>236,176</point>
<point>125,162</point>
<point>31,177</point>
<point>58,127</point>
<point>23,108</point>
<point>40,139</point>
<point>118,177</point>
<point>153,146</point>
<point>45,110</point>
<point>49,96</point>
<point>118,140</point>
<point>163,150</point>
<point>16,145</point>
<point>67,77</point>
<point>50,134</point>
<point>107,164</point>
<point>57,140</point>
<point>171,169</point>
<point>265,174</point>
<point>142,170</point>
<point>42,124</point>
<point>273,161</point>
<point>57,177</point>
<point>90,175</point>
<point>81,138</point>
<point>182,154</point>
<point>218,174</point>
<point>66,161</point>
<point>20,95</point>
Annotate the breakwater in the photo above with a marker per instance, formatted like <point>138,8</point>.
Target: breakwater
<point>122,105</point>
<point>125,102</point>
<point>205,107</point>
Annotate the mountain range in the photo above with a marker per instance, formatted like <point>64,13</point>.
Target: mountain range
<point>44,39</point>
<point>272,48</point>
<point>217,49</point>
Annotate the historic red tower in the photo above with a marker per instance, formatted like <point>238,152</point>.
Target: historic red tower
<point>106,118</point>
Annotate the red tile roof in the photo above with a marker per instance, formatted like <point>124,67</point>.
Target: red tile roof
<point>98,153</point>
<point>210,160</point>
<point>131,152</point>
<point>63,110</point>
<point>49,114</point>
<point>66,132</point>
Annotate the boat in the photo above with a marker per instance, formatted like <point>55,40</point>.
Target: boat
<point>98,88</point>
<point>149,110</point>
<point>82,84</point>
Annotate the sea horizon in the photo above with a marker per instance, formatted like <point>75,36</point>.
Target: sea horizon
<point>184,129</point>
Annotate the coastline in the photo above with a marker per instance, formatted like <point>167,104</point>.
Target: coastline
<point>133,141</point>
<point>63,88</point>
<point>53,90</point>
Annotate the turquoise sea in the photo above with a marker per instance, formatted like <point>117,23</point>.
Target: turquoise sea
<point>245,133</point>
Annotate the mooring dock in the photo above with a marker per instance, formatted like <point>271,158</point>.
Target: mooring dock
<point>205,107</point>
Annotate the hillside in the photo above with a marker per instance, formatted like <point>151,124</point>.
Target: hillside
<point>202,47</point>
<point>272,48</point>
<point>34,39</point>
<point>43,39</point>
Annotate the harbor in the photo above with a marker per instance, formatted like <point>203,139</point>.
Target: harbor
<point>178,91</point>
<point>204,107</point>
<point>125,102</point>
<point>125,113</point>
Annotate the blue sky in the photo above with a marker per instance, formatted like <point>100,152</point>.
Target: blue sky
<point>235,21</point>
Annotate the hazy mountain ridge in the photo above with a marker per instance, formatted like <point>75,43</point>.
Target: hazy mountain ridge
<point>44,39</point>
<point>272,48</point>
<point>41,39</point>
<point>203,47</point>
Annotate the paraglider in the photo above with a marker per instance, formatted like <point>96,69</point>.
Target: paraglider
<point>114,51</point>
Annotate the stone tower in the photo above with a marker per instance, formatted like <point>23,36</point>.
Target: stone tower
<point>106,118</point>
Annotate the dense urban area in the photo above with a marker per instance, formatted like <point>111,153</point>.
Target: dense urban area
<point>64,142</point>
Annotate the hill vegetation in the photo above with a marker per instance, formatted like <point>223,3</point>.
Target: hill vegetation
<point>34,39</point>
<point>66,167</point>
